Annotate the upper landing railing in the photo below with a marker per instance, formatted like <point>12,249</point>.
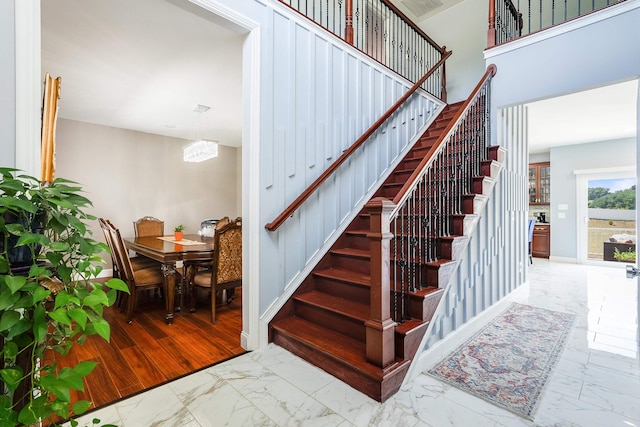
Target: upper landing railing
<point>382,31</point>
<point>509,20</point>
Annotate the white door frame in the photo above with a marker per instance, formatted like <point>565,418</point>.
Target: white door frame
<point>582,213</point>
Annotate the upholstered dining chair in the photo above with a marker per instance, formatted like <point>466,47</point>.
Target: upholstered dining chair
<point>222,222</point>
<point>148,226</point>
<point>205,265</point>
<point>142,277</point>
<point>225,273</point>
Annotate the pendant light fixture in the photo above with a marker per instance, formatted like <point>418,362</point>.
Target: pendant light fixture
<point>200,149</point>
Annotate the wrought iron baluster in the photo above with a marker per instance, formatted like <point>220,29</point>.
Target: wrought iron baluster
<point>411,244</point>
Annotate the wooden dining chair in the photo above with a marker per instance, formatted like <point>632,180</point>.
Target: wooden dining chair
<point>225,273</point>
<point>142,277</point>
<point>138,261</point>
<point>205,265</point>
<point>148,226</point>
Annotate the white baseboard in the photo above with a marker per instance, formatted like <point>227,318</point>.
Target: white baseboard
<point>566,260</point>
<point>106,273</point>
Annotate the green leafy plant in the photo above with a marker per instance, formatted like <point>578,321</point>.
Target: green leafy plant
<point>50,305</point>
<point>626,256</point>
<point>179,228</point>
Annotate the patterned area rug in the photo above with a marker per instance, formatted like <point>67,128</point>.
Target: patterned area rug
<point>510,360</point>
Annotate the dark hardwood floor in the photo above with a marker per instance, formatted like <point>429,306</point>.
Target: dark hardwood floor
<point>148,352</point>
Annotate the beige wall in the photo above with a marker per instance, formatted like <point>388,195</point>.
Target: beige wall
<point>128,174</point>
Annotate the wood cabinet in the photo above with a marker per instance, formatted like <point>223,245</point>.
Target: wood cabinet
<point>541,243</point>
<point>539,183</point>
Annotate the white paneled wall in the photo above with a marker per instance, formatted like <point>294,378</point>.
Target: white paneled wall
<point>321,95</point>
<point>494,262</point>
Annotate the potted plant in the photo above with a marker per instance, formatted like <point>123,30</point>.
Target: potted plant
<point>178,232</point>
<point>49,298</point>
<point>624,256</point>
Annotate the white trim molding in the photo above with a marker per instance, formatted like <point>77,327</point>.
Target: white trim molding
<point>250,335</point>
<point>28,86</point>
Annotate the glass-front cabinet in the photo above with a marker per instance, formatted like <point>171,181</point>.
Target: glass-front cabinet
<point>539,183</point>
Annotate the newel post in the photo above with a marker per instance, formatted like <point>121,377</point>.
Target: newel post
<point>491,33</point>
<point>380,327</point>
<point>348,29</point>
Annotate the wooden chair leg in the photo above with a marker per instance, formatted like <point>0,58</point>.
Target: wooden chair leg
<point>192,299</point>
<point>213,305</point>
<point>131,305</point>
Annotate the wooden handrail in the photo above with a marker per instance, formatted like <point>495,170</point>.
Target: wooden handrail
<point>280,219</point>
<point>404,192</point>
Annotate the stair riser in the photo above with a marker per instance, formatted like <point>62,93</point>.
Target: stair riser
<point>463,225</point>
<point>497,153</point>
<point>483,185</point>
<point>428,140</point>
<point>421,275</point>
<point>352,241</point>
<point>389,191</point>
<point>491,168</point>
<point>407,345</point>
<point>453,248</point>
<point>424,307</point>
<point>474,203</point>
<point>349,327</point>
<point>400,177</point>
<point>344,290</point>
<point>361,222</point>
<point>410,163</point>
<point>358,265</point>
<point>425,275</point>
<point>440,275</point>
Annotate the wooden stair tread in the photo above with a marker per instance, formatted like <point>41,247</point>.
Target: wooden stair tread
<point>438,263</point>
<point>407,326</point>
<point>351,252</point>
<point>343,275</point>
<point>427,291</point>
<point>344,307</point>
<point>347,351</point>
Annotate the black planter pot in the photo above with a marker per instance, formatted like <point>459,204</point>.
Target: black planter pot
<point>21,256</point>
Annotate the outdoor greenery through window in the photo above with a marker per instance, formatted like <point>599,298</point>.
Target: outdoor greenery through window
<point>603,198</point>
<point>612,220</point>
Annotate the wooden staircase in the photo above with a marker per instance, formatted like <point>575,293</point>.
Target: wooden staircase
<point>324,321</point>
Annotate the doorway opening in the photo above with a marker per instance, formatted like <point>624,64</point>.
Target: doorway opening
<point>192,342</point>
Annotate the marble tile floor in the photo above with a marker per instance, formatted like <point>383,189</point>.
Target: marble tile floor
<point>596,382</point>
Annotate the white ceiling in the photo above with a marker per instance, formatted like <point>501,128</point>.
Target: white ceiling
<point>145,65</point>
<point>599,114</point>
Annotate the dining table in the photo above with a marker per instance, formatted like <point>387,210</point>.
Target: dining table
<point>172,254</point>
